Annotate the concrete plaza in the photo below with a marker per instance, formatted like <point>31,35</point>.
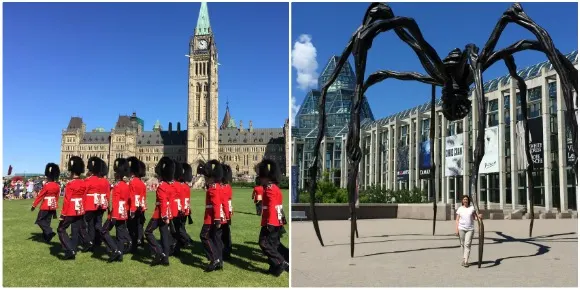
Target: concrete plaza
<point>400,253</point>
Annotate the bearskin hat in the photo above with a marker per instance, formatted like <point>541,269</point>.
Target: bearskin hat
<point>94,165</point>
<point>269,169</point>
<point>52,171</point>
<point>142,169</point>
<point>104,169</point>
<point>178,175</point>
<point>214,170</point>
<point>227,175</point>
<point>76,165</point>
<point>121,168</point>
<point>187,172</point>
<point>201,169</point>
<point>165,169</point>
<point>134,165</point>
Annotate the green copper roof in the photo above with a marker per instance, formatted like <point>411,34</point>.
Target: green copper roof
<point>203,27</point>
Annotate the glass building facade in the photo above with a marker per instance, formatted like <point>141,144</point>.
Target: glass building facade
<point>337,110</point>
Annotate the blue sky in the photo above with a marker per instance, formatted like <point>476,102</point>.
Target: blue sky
<point>74,59</point>
<point>444,25</point>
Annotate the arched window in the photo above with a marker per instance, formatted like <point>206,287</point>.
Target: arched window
<point>200,141</point>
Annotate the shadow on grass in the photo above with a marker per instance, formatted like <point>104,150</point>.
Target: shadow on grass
<point>55,249</point>
<point>247,213</point>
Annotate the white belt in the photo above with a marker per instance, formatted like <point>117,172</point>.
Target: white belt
<point>95,197</point>
<point>92,194</point>
<point>209,206</point>
<point>49,197</point>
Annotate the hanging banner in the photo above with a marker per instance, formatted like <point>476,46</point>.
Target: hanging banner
<point>536,142</point>
<point>536,146</point>
<point>402,163</point>
<point>570,152</point>
<point>490,161</point>
<point>425,160</point>
<point>454,155</point>
<point>294,187</point>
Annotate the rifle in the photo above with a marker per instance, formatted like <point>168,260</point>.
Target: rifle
<point>189,220</point>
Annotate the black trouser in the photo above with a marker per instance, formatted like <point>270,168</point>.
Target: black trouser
<point>91,226</point>
<point>284,252</point>
<point>122,241</point>
<point>70,243</point>
<point>165,236</point>
<point>135,226</point>
<point>43,221</point>
<point>227,240</point>
<point>211,239</point>
<point>179,233</point>
<point>98,222</point>
<point>270,244</point>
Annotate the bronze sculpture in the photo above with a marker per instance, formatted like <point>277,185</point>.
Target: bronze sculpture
<point>455,74</point>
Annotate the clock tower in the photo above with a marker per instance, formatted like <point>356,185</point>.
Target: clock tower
<point>202,104</point>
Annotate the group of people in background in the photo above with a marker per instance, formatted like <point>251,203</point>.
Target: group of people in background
<point>86,201</point>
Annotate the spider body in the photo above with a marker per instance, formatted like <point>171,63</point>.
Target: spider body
<point>455,74</point>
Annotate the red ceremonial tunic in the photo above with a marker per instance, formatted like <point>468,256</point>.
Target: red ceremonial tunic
<point>228,198</point>
<point>138,194</point>
<point>120,206</point>
<point>93,193</point>
<point>272,206</point>
<point>257,193</point>
<point>74,193</point>
<point>162,195</point>
<point>105,191</point>
<point>213,204</point>
<point>48,196</point>
<point>185,197</point>
<point>175,199</point>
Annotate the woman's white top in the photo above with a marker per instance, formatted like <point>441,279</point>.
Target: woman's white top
<point>465,218</point>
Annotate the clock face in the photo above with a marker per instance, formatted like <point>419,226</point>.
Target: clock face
<point>202,44</point>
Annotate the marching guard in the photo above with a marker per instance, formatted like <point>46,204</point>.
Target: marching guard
<point>105,191</point>
<point>186,197</point>
<point>48,199</point>
<point>210,234</point>
<point>228,210</point>
<point>72,208</point>
<point>138,200</point>
<point>181,205</point>
<point>161,218</point>
<point>273,218</point>
<point>176,211</point>
<point>118,213</point>
<point>92,201</point>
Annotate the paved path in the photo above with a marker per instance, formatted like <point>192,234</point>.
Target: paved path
<point>400,253</point>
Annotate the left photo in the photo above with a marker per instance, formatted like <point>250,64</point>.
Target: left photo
<point>145,145</point>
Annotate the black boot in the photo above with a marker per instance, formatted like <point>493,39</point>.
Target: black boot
<point>278,270</point>
<point>160,259</point>
<point>49,237</point>
<point>88,247</point>
<point>116,256</point>
<point>69,255</point>
<point>212,266</point>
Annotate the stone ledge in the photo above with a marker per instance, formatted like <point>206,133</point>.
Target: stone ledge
<point>496,216</point>
<point>564,215</point>
<point>547,215</point>
<point>536,215</point>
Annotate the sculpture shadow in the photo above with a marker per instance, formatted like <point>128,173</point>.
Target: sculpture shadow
<point>384,241</point>
<point>542,249</point>
<point>400,235</point>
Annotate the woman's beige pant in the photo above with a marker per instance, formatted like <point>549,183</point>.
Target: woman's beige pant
<point>465,241</point>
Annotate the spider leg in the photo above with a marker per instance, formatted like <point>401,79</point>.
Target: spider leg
<point>432,149</point>
<point>427,63</point>
<point>476,68</point>
<point>382,75</point>
<point>511,65</point>
<point>414,38</point>
<point>321,125</point>
<point>568,78</point>
<point>353,150</point>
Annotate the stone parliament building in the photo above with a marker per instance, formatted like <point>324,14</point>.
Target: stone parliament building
<point>202,140</point>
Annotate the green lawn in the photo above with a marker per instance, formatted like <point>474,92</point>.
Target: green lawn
<point>31,263</point>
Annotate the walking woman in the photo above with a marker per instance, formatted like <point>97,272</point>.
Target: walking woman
<point>464,227</point>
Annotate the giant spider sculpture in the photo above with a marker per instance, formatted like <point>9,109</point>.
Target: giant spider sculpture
<point>455,74</point>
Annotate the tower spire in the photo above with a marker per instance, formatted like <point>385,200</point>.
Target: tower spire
<point>203,27</point>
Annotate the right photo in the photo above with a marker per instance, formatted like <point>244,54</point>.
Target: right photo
<point>434,145</point>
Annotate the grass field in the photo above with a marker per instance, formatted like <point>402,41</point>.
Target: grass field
<point>28,262</point>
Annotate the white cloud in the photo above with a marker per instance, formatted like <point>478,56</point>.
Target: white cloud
<point>295,109</point>
<point>304,61</point>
